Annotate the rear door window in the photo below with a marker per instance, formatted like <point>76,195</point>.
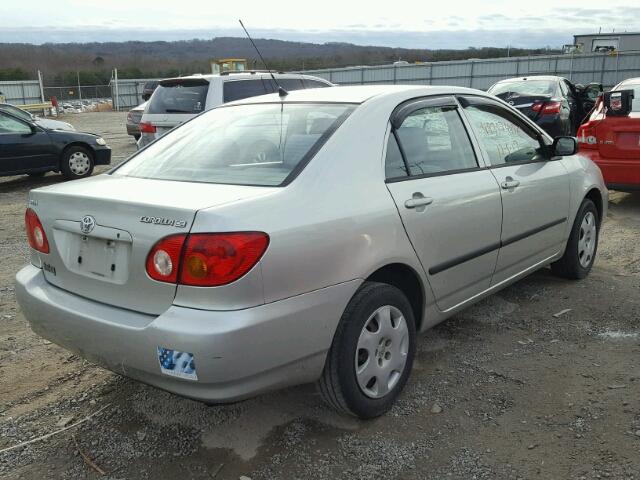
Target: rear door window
<point>434,140</point>
<point>239,89</point>
<point>179,96</point>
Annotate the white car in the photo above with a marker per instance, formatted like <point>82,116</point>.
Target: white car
<point>28,117</point>
<point>177,100</point>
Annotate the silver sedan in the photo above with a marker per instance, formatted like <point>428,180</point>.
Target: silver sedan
<point>305,238</point>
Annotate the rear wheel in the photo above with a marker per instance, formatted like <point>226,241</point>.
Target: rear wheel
<point>582,245</point>
<point>372,352</point>
<point>77,162</point>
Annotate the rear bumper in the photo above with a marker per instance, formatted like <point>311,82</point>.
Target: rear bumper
<point>237,353</point>
<point>102,155</point>
<point>619,174</point>
<point>133,129</point>
<point>552,124</point>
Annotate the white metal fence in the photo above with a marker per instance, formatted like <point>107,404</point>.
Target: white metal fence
<point>21,92</point>
<point>583,68</point>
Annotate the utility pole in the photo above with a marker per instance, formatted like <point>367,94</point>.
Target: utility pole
<point>79,89</point>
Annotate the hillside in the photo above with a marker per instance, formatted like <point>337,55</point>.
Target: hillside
<point>60,61</point>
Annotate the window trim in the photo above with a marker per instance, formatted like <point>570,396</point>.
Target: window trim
<point>405,109</point>
<point>518,118</point>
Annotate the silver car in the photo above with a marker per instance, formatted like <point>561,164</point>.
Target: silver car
<point>278,241</point>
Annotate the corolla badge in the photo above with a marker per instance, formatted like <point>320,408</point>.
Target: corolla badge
<point>87,224</point>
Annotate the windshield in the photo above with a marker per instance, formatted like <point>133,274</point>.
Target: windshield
<point>18,112</point>
<point>524,88</point>
<point>635,104</point>
<point>256,144</point>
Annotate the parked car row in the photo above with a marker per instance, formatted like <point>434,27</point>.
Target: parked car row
<point>306,236</point>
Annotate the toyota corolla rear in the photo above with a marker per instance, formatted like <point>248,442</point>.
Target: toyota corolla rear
<point>155,271</point>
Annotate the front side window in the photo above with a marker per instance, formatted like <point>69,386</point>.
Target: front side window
<point>11,125</point>
<point>434,140</point>
<point>254,144</point>
<point>17,112</point>
<point>502,137</point>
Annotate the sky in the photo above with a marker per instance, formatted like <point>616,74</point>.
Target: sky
<point>398,23</point>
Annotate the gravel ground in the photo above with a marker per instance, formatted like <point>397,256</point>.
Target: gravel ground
<point>504,390</point>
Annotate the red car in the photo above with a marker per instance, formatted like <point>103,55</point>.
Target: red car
<point>612,140</point>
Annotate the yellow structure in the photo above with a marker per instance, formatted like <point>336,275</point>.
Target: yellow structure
<point>228,65</point>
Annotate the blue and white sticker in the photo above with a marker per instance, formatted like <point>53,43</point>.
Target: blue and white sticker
<point>177,364</point>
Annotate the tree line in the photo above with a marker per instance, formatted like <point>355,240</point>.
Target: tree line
<point>62,63</point>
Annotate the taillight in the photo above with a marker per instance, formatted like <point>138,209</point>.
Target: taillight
<point>587,136</point>
<point>547,108</point>
<point>146,127</point>
<point>206,259</point>
<point>212,259</point>
<point>35,232</point>
<point>163,260</point>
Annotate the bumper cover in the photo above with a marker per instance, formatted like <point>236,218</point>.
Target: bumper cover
<point>618,173</point>
<point>102,155</point>
<point>237,353</point>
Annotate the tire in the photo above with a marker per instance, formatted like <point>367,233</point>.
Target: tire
<point>355,394</point>
<point>36,174</point>
<point>582,245</point>
<point>77,162</point>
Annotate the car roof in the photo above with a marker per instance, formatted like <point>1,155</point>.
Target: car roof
<point>356,93</point>
<point>534,77</point>
<point>633,81</point>
<point>240,75</point>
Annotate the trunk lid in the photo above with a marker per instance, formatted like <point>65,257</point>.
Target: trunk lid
<point>101,229</point>
<point>619,137</point>
<point>525,103</point>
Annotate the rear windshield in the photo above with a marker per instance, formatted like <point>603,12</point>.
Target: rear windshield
<point>259,144</point>
<point>179,96</point>
<point>525,88</point>
<point>635,105</point>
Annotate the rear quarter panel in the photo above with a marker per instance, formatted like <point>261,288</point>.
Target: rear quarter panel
<point>334,223</point>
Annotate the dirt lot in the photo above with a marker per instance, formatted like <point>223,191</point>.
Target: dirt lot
<point>522,393</point>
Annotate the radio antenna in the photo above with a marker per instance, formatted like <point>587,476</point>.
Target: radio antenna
<point>281,91</point>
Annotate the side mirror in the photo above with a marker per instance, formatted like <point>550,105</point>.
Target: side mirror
<point>618,103</point>
<point>564,146</point>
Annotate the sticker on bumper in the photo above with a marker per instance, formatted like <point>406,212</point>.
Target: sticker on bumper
<point>177,364</point>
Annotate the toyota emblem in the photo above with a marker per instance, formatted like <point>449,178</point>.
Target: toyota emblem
<point>87,224</point>
<point>511,102</point>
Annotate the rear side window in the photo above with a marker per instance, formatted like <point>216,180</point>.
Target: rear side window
<point>179,96</point>
<point>434,140</point>
<point>635,103</point>
<point>239,89</point>
<point>253,144</point>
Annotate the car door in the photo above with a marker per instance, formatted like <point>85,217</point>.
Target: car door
<point>571,101</point>
<point>23,147</point>
<point>449,204</point>
<point>535,188</point>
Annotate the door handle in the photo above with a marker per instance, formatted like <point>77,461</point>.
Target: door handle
<point>416,202</point>
<point>509,183</point>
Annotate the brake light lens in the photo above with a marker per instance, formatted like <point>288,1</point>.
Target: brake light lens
<point>163,260</point>
<point>146,127</point>
<point>35,232</point>
<point>206,259</point>
<point>214,259</point>
<point>547,108</point>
